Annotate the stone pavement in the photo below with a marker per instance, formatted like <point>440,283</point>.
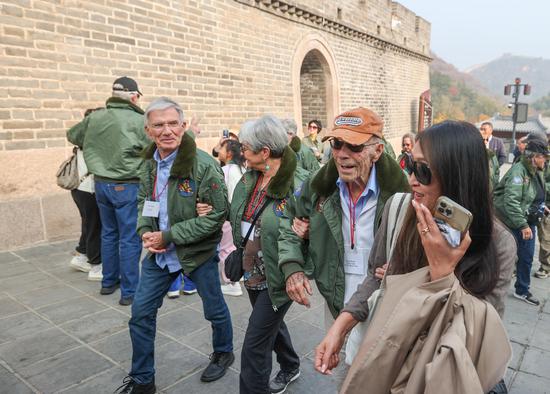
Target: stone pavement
<point>57,334</point>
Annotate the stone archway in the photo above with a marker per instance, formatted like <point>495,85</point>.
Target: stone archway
<point>315,84</point>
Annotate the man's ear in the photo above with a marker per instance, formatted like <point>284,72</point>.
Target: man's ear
<point>378,150</point>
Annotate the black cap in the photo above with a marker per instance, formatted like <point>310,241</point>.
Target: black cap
<point>126,84</point>
<point>537,145</point>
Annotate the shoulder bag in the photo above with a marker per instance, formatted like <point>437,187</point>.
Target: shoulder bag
<point>233,267</point>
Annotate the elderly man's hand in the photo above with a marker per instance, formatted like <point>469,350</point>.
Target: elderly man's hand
<point>301,227</point>
<point>298,288</point>
<point>203,209</point>
<point>153,242</point>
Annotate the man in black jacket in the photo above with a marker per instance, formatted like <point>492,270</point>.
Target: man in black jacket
<point>493,143</point>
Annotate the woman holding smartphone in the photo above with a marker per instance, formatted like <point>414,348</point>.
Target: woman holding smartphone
<point>449,159</point>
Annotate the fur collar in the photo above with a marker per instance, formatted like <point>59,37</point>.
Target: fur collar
<point>183,164</point>
<point>295,144</point>
<point>283,181</point>
<point>389,176</point>
<point>528,165</point>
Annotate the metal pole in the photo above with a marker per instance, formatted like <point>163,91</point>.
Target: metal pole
<point>515,114</point>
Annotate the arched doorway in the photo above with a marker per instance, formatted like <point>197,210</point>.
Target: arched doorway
<point>315,83</point>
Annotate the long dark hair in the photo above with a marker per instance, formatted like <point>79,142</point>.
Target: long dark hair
<point>458,159</point>
<point>234,147</point>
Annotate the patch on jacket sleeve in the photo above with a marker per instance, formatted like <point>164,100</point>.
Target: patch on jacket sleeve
<point>517,180</point>
<point>186,187</point>
<point>279,207</point>
<point>298,190</point>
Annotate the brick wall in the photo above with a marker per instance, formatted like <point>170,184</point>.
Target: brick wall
<point>224,60</point>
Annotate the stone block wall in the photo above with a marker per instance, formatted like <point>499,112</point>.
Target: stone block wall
<point>224,60</point>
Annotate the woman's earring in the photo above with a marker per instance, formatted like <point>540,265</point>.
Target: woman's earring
<point>267,167</point>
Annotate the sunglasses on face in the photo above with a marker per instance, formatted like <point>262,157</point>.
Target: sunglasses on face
<point>337,144</point>
<point>421,171</point>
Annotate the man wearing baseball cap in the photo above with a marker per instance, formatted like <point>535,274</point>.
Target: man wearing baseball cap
<point>112,140</point>
<point>342,204</point>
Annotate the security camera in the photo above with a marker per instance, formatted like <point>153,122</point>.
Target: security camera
<point>510,105</point>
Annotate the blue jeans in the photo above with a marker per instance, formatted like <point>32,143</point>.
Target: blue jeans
<point>152,288</point>
<point>526,251</point>
<point>120,243</point>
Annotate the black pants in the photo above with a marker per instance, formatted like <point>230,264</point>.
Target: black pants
<point>266,332</point>
<point>90,235</point>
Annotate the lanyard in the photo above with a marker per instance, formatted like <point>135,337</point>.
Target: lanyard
<point>155,189</point>
<point>352,205</point>
<point>251,208</point>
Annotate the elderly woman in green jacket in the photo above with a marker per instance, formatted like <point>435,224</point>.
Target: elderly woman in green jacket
<point>273,179</point>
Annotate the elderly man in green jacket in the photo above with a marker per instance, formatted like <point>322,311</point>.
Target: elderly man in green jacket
<point>520,203</point>
<point>339,209</point>
<point>112,140</point>
<point>175,176</point>
<point>305,157</point>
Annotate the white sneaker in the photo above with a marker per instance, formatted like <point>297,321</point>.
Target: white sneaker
<point>173,294</point>
<point>96,273</point>
<point>232,289</point>
<point>80,262</point>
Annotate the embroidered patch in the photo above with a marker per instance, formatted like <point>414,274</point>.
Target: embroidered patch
<point>319,206</point>
<point>298,190</point>
<point>348,121</point>
<point>517,180</point>
<point>215,186</point>
<point>279,207</point>
<point>186,187</point>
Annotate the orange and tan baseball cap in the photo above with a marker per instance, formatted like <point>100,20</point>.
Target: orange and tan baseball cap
<point>356,126</point>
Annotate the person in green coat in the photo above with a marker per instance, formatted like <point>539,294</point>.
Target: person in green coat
<point>273,180</point>
<point>342,204</point>
<point>520,204</point>
<point>175,176</point>
<point>112,140</point>
<point>305,157</point>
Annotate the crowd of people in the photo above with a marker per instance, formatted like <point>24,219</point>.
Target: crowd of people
<point>340,210</point>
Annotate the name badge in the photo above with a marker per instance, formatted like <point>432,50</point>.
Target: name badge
<point>245,226</point>
<point>151,209</point>
<point>355,261</point>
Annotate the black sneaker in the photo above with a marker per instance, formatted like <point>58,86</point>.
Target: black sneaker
<point>542,273</point>
<point>109,290</point>
<point>528,298</point>
<point>280,382</point>
<point>126,301</point>
<point>219,362</point>
<point>129,386</point>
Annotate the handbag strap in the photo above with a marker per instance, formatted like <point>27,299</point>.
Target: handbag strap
<point>245,239</point>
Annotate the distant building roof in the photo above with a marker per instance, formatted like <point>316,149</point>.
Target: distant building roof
<point>504,124</point>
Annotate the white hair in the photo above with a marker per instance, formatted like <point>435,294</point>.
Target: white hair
<point>290,126</point>
<point>268,132</point>
<point>125,95</point>
<point>161,104</point>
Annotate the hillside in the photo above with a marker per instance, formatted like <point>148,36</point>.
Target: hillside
<point>499,72</point>
<point>459,96</point>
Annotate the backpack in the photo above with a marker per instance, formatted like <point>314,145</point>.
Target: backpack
<point>67,174</point>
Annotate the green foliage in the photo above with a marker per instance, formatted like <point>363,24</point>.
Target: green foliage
<point>452,99</point>
<point>543,105</point>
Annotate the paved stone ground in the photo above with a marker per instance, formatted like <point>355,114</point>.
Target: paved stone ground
<point>57,334</point>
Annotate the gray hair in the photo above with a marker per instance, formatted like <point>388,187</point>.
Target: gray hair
<point>125,95</point>
<point>290,126</point>
<point>268,132</point>
<point>161,104</point>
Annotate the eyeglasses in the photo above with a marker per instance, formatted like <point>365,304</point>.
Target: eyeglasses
<point>172,125</point>
<point>337,144</point>
<point>421,171</point>
<point>313,127</point>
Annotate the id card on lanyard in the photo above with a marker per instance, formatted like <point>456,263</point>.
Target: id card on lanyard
<point>151,208</point>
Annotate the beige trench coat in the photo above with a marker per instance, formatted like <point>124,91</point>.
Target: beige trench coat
<point>429,337</point>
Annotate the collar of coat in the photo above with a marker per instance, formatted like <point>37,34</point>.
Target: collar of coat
<point>389,176</point>
<point>295,144</point>
<point>282,182</point>
<point>183,163</point>
<point>528,165</point>
<point>117,102</point>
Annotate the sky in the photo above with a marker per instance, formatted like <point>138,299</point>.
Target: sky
<point>471,32</point>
